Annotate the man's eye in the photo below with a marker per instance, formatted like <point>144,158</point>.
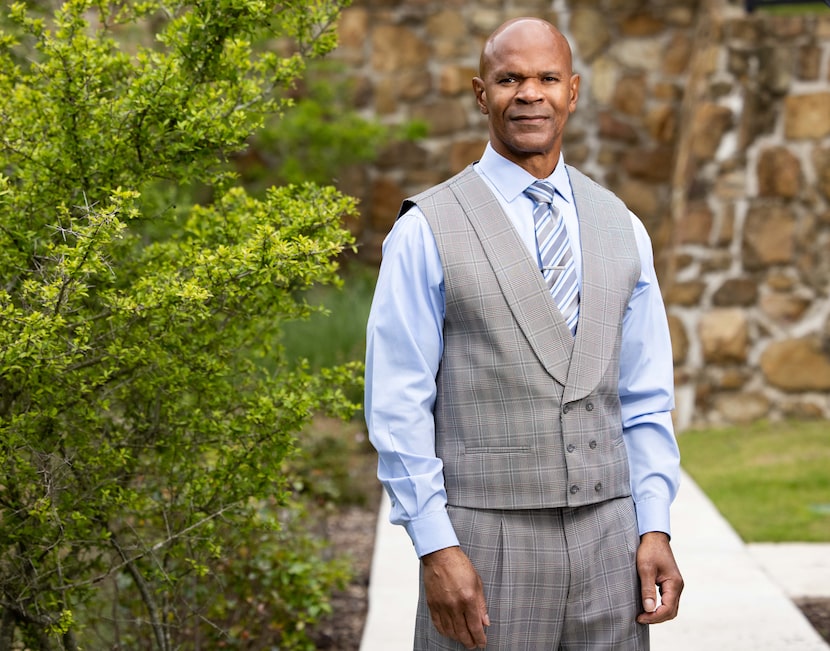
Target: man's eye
<point>507,80</point>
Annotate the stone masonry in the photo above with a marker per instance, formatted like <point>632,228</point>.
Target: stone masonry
<point>712,124</point>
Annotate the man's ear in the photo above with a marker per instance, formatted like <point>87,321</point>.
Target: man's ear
<point>481,94</point>
<point>574,82</point>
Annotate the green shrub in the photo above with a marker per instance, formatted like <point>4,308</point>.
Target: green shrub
<point>145,420</point>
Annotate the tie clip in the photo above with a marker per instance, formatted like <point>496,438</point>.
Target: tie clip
<point>553,268</point>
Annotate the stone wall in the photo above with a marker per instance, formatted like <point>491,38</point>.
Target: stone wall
<point>748,289</point>
<point>712,125</point>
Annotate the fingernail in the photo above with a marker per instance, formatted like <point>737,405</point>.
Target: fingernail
<point>649,605</point>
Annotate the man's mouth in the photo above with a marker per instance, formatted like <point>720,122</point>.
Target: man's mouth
<point>529,118</point>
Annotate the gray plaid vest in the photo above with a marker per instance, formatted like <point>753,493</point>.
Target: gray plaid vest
<point>527,416</point>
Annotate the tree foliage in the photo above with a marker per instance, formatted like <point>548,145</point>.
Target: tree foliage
<point>322,133</point>
<point>142,503</point>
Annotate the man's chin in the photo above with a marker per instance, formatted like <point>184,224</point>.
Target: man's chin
<point>528,147</point>
<point>531,139</point>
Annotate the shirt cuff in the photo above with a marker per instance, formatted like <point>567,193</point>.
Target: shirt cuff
<point>653,515</point>
<point>432,532</point>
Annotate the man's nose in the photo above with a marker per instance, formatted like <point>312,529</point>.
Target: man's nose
<point>529,91</point>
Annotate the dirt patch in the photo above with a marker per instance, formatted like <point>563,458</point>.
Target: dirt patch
<point>818,612</point>
<point>352,532</point>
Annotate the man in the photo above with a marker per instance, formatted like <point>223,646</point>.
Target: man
<point>519,385</point>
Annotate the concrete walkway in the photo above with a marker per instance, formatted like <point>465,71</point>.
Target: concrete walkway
<point>737,597</point>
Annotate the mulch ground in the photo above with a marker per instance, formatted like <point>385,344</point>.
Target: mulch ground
<point>351,532</point>
<point>818,612</point>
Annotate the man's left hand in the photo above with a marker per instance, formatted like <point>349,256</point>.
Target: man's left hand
<point>658,569</point>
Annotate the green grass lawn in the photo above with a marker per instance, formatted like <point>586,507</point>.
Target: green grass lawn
<point>771,481</point>
<point>339,335</point>
<point>798,9</point>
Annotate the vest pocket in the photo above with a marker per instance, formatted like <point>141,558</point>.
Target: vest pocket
<point>497,449</point>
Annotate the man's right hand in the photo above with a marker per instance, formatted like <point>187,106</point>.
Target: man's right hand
<point>455,597</point>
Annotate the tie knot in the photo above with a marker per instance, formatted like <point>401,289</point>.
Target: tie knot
<point>541,192</point>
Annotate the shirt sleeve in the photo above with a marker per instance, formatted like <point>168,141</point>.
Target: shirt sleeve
<point>404,344</point>
<point>647,397</point>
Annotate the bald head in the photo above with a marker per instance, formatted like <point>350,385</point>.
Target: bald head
<point>523,32</point>
<point>527,89</point>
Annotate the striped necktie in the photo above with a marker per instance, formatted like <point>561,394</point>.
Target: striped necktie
<point>558,267</point>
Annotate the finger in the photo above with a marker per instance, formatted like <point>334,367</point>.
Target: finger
<point>660,615</point>
<point>446,624</point>
<point>670,597</point>
<point>648,591</point>
<point>649,601</point>
<point>485,617</point>
<point>438,622</point>
<point>475,626</point>
<point>459,630</point>
<point>466,627</point>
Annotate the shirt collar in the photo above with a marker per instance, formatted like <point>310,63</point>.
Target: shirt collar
<point>510,180</point>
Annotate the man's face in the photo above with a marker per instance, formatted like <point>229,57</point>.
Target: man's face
<point>527,90</point>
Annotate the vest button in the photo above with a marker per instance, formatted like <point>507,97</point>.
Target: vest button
<point>566,409</point>
<point>593,445</point>
<point>598,487</point>
<point>574,489</point>
<point>571,447</point>
<point>589,406</point>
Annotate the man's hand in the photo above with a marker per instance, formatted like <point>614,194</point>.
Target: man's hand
<point>455,597</point>
<point>657,568</point>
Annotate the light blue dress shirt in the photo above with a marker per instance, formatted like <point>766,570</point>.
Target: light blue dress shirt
<point>405,344</point>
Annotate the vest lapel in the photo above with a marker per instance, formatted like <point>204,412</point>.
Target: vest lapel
<point>596,333</point>
<point>519,278</point>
